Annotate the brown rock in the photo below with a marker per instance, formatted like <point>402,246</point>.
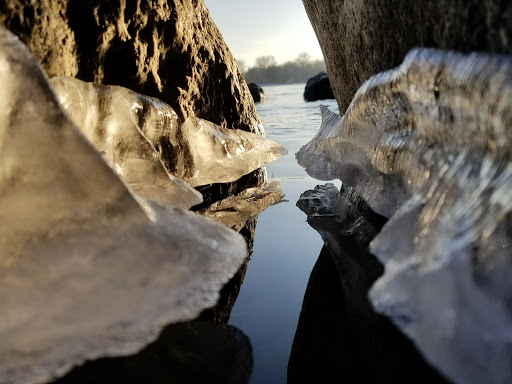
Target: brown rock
<point>167,49</point>
<point>360,39</point>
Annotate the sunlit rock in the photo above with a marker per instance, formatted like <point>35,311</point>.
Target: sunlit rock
<point>428,144</point>
<point>138,133</point>
<point>85,269</point>
<point>167,49</point>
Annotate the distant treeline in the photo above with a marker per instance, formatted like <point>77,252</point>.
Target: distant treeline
<point>266,70</point>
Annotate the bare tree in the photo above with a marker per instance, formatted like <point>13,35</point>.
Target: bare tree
<point>303,60</point>
<point>265,62</point>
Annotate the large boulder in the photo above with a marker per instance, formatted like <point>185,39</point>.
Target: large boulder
<point>318,87</point>
<point>360,39</point>
<point>167,49</point>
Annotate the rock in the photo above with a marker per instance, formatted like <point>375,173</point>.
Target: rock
<point>360,39</point>
<point>166,49</point>
<point>256,92</point>
<point>87,269</point>
<point>318,87</point>
<point>137,133</point>
<point>188,352</point>
<point>428,145</point>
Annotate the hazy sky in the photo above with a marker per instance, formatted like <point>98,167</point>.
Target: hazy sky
<point>254,28</point>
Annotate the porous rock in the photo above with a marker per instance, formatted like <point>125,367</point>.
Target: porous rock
<point>167,49</point>
<point>362,38</point>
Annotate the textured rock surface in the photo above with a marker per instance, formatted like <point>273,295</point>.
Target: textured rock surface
<point>360,39</point>
<point>85,270</point>
<point>428,144</point>
<point>137,134</point>
<point>167,49</point>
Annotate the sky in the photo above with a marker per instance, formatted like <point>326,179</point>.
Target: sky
<point>254,28</point>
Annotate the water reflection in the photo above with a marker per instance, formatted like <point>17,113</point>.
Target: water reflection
<point>339,337</point>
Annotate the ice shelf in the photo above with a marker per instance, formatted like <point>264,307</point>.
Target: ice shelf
<point>87,269</point>
<point>138,133</point>
<point>428,145</point>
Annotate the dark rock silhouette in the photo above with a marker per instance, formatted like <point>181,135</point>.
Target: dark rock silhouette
<point>190,352</point>
<point>360,39</point>
<point>318,87</point>
<point>168,49</point>
<point>339,337</point>
<point>256,92</point>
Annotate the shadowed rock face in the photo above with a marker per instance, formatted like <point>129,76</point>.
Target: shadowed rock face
<point>428,145</point>
<point>362,38</point>
<point>167,49</point>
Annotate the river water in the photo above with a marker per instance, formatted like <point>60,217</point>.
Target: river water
<point>303,305</point>
<point>285,246</point>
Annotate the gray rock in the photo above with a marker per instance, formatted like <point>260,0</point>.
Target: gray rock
<point>428,145</point>
<point>166,49</point>
<point>86,269</point>
<point>362,38</point>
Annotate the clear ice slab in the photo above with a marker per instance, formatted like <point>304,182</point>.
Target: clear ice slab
<point>87,269</point>
<point>235,211</point>
<point>136,133</point>
<point>428,145</point>
<point>117,122</point>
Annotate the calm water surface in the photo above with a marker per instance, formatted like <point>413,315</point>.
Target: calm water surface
<point>285,246</point>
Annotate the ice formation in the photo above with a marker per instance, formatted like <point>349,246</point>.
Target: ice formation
<point>428,145</point>
<point>86,268</point>
<point>235,211</point>
<point>137,132</point>
<point>118,122</point>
